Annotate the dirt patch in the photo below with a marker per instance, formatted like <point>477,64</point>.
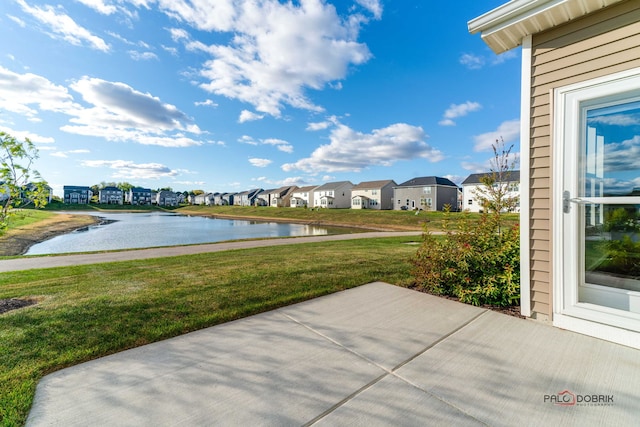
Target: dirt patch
<point>18,240</point>
<point>14,304</point>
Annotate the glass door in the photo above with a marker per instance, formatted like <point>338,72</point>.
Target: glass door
<point>601,211</point>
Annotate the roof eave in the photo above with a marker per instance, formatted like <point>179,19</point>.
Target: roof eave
<point>504,27</point>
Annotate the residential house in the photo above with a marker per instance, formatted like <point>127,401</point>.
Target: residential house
<point>373,195</point>
<point>472,186</point>
<point>77,195</point>
<point>29,187</point>
<point>111,196</point>
<point>140,196</point>
<point>578,140</point>
<point>302,197</point>
<point>430,193</point>
<point>281,197</point>
<point>247,198</point>
<point>333,195</point>
<point>166,198</point>
<point>200,199</point>
<point>228,199</point>
<point>210,200</point>
<point>264,198</point>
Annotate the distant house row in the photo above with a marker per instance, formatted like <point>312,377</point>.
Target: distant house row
<point>426,193</point>
<point>74,194</point>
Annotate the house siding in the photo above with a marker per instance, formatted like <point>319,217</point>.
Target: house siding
<point>602,43</point>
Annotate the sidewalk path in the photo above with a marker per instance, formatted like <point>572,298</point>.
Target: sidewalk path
<point>28,263</point>
<point>376,355</point>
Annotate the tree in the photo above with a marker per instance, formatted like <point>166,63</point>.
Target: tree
<point>496,194</point>
<point>20,185</point>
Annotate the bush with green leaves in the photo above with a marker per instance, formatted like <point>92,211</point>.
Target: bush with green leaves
<point>479,262</point>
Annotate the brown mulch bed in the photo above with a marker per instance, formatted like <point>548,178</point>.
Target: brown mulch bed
<point>513,310</point>
<point>13,304</point>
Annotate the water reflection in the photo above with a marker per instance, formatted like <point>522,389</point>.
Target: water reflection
<point>143,230</point>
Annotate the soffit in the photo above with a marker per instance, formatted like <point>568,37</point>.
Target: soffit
<point>504,28</point>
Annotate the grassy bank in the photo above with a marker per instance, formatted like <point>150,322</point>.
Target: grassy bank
<point>32,226</point>
<point>369,218</point>
<point>90,311</point>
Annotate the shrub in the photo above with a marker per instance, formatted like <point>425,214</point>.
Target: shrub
<point>479,262</point>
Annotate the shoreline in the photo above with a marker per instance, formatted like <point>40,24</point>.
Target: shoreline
<point>16,242</point>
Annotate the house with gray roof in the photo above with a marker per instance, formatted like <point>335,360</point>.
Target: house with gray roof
<point>428,193</point>
<point>140,196</point>
<point>280,197</point>
<point>302,197</point>
<point>473,185</point>
<point>373,195</point>
<point>111,196</point>
<point>264,198</point>
<point>246,198</point>
<point>333,195</point>
<point>77,195</point>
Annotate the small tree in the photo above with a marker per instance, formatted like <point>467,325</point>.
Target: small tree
<point>17,190</point>
<point>496,195</point>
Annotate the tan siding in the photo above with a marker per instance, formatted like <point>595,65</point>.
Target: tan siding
<point>542,256</point>
<point>544,151</point>
<point>602,43</point>
<point>541,213</point>
<point>540,224</point>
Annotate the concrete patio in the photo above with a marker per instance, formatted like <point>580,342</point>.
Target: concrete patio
<point>373,355</point>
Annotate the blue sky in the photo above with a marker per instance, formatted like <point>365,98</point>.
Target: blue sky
<point>228,95</point>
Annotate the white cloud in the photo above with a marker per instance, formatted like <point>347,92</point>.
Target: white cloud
<point>142,56</point>
<point>206,103</point>
<point>246,139</point>
<point>33,137</point>
<point>280,144</point>
<point>25,93</point>
<point>318,126</point>
<point>330,121</point>
<point>616,120</point>
<point>63,26</point>
<point>99,6</point>
<point>260,163</point>
<point>472,62</point>
<point>127,169</point>
<point>352,151</point>
<point>248,116</point>
<point>508,131</point>
<point>17,20</point>
<point>278,51</point>
<point>458,110</point>
<point>373,6</point>
<point>475,62</point>
<point>623,156</point>
<point>60,154</point>
<point>294,180</point>
<point>121,113</point>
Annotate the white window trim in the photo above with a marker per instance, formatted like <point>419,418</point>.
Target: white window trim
<point>610,86</point>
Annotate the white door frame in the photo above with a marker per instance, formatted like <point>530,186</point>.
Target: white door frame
<point>567,268</point>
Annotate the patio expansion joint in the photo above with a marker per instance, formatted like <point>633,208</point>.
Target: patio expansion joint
<point>387,372</point>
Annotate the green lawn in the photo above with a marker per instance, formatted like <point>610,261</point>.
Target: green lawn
<point>90,311</point>
<point>24,217</point>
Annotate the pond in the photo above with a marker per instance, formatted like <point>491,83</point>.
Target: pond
<point>154,229</point>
